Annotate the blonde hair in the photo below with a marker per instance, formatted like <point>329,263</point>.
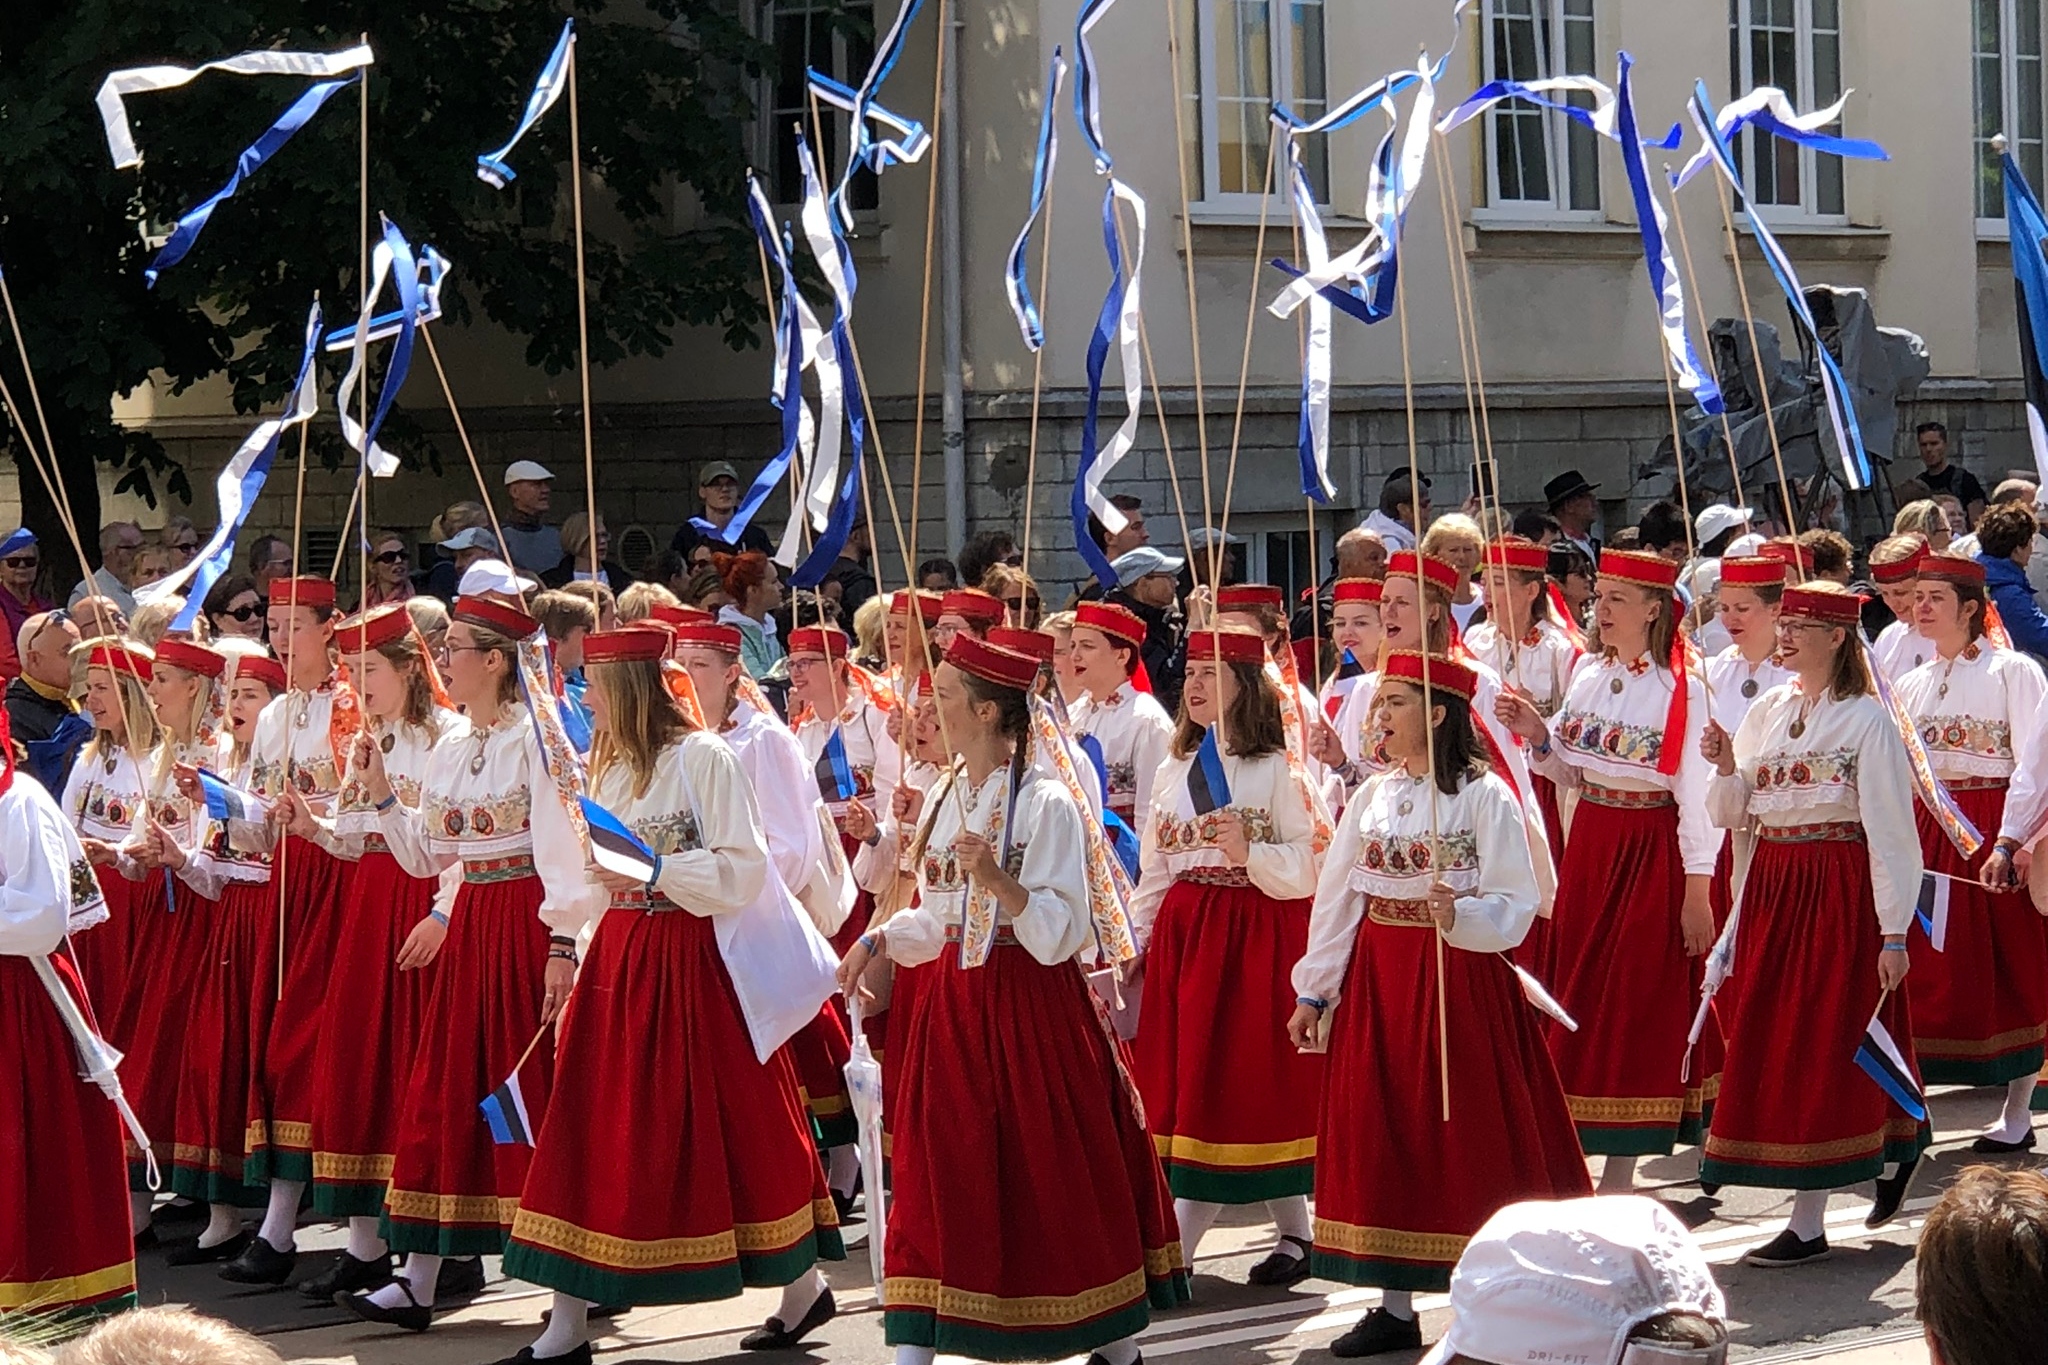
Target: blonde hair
<point>642,719</point>
<point>560,612</point>
<point>1897,549</point>
<point>868,622</point>
<point>1059,623</point>
<point>576,534</point>
<point>1452,528</point>
<point>166,1336</point>
<point>152,621</point>
<point>637,601</point>
<point>1923,516</point>
<point>143,731</point>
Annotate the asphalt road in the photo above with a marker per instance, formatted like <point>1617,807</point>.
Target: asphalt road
<point>1857,1306</point>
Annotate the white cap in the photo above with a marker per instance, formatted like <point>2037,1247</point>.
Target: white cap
<point>493,575</point>
<point>1713,521</point>
<point>1743,546</point>
<point>527,471</point>
<point>1570,1280</point>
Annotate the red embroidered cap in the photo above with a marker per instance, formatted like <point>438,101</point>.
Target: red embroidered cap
<point>633,644</point>
<point>1407,665</point>
<point>121,656</point>
<point>1787,552</point>
<point>1119,623</point>
<point>1036,643</point>
<point>679,616</point>
<point>1366,590</point>
<point>829,641</point>
<point>930,605</point>
<point>190,657</point>
<point>363,632</point>
<point>304,592</point>
<point>1752,571</point>
<point>492,614</point>
<point>992,663</point>
<point>1235,646</point>
<point>1249,597</point>
<point>1438,573</point>
<point>1945,568</point>
<point>973,604</point>
<point>1830,604</point>
<point>709,635</point>
<point>263,668</point>
<point>1644,570</point>
<point>1518,553</point>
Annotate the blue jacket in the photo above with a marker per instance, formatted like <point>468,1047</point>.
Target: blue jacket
<point>2006,583</point>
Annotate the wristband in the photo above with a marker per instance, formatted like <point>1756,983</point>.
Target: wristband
<point>562,941</point>
<point>1541,750</point>
<point>438,916</point>
<point>567,955</point>
<point>1893,948</point>
<point>2007,845</point>
<point>387,803</point>
<point>872,941</point>
<point>1316,1003</point>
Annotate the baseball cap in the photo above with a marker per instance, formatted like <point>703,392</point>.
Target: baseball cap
<point>1570,1280</point>
<point>1132,565</point>
<point>527,471</point>
<point>1743,545</point>
<point>474,538</point>
<point>1202,537</point>
<point>1716,520</point>
<point>717,469</point>
<point>493,575</point>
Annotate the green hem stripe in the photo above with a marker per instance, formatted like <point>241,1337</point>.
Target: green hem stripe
<point>266,1164</point>
<point>73,1319</point>
<point>1830,1177</point>
<point>1373,1272</point>
<point>566,1275</point>
<point>437,1239</point>
<point>1998,1070</point>
<point>1243,1185</point>
<point>840,1130</point>
<point>348,1198</point>
<point>212,1187</point>
<point>950,1336</point>
<point>1595,1140</point>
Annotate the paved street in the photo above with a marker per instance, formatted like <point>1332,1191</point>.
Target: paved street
<point>1856,1309</point>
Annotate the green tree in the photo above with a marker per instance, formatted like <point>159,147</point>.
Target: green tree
<point>663,98</point>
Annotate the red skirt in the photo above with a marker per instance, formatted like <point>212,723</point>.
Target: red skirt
<point>1030,1219</point>
<point>1398,1191</point>
<point>171,945</point>
<point>1623,974</point>
<point>1795,1111</point>
<point>1230,1102</point>
<point>359,1071</point>
<point>820,1051</point>
<point>65,1247</point>
<point>231,998</point>
<point>1721,900</point>
<point>105,953</point>
<point>1538,951</point>
<point>889,1034</point>
<point>673,1166</point>
<point>453,1190</point>
<point>863,908</point>
<point>1979,1008</point>
<point>280,1137</point>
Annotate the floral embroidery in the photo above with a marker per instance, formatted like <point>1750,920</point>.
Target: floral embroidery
<point>1191,836</point>
<point>310,777</point>
<point>675,832</point>
<point>267,778</point>
<point>1403,855</point>
<point>1835,769</point>
<point>1595,734</point>
<point>481,818</point>
<point>1974,735</point>
<point>85,888</point>
<point>1121,777</point>
<point>942,869</point>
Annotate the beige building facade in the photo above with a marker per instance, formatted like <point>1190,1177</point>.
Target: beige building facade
<point>1542,215</point>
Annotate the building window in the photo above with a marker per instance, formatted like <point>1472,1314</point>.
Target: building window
<point>1237,58</point>
<point>2006,60</point>
<point>1538,160</point>
<point>1795,45</point>
<point>832,36</point>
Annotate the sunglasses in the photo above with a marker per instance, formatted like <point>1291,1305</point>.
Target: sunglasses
<point>242,613</point>
<point>391,557</point>
<point>187,546</point>
<point>20,561</point>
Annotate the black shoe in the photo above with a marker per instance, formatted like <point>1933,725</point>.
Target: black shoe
<point>1710,1188</point>
<point>346,1276</point>
<point>844,1203</point>
<point>773,1336</point>
<point>580,1356</point>
<point>1788,1250</point>
<point>462,1279</point>
<point>1098,1358</point>
<point>147,1240</point>
<point>411,1316</point>
<point>1280,1268</point>
<point>260,1263</point>
<point>180,1212</point>
<point>1891,1192</point>
<point>191,1253</point>
<point>1377,1332</point>
<point>1991,1146</point>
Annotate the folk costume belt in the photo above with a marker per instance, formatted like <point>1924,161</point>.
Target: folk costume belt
<point>375,843</point>
<point>642,899</point>
<point>1827,831</point>
<point>1215,876</point>
<point>1976,784</point>
<point>507,869</point>
<point>1400,914</point>
<point>1005,937</point>
<point>1625,798</point>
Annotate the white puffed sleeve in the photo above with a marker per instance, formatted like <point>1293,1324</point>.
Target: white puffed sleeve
<point>913,936</point>
<point>724,875</point>
<point>1055,922</point>
<point>1155,878</point>
<point>1339,908</point>
<point>570,899</point>
<point>37,853</point>
<point>1286,869</point>
<point>1728,794</point>
<point>2026,801</point>
<point>405,828</point>
<point>788,821</point>
<point>203,873</point>
<point>1498,916</point>
<point>1699,842</point>
<point>1151,745</point>
<point>1885,796</point>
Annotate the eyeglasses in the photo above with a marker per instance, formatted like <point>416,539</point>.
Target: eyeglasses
<point>243,613</point>
<point>187,546</point>
<point>20,561</point>
<point>443,653</point>
<point>391,557</point>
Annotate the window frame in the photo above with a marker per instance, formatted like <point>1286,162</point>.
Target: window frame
<point>1742,74</point>
<point>1994,227</point>
<point>1280,80</point>
<point>1557,142</point>
<point>767,134</point>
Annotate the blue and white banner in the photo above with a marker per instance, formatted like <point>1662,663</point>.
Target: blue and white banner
<point>789,399</point>
<point>225,801</point>
<point>1017,276</point>
<point>1379,92</point>
<point>1848,435</point>
<point>1314,437</point>
<point>144,80</point>
<point>1657,259</point>
<point>614,847</point>
<point>236,489</point>
<point>1881,1060</point>
<point>835,262</point>
<point>188,228</point>
<point>393,259</point>
<point>1766,109</point>
<point>2027,231</point>
<point>554,79</point>
<point>911,139</point>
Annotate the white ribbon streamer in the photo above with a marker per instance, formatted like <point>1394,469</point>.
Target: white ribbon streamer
<point>1130,356</point>
<point>1765,99</point>
<point>816,219</point>
<point>144,80</point>
<point>383,464</point>
<point>1316,360</point>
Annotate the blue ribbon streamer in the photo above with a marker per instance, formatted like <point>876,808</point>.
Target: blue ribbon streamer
<point>776,470</point>
<point>839,523</point>
<point>1044,162</point>
<point>860,103</point>
<point>1098,358</point>
<point>405,275</point>
<point>187,231</point>
<point>554,79</point>
<point>433,266</point>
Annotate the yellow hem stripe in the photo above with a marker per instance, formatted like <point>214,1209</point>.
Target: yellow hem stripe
<point>1392,1243</point>
<point>44,1295</point>
<point>994,1311</point>
<point>1175,1148</point>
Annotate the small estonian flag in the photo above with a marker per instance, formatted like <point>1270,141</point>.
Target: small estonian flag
<point>1206,782</point>
<point>615,848</point>
<point>1350,667</point>
<point>835,774</point>
<point>504,1109</point>
<point>1879,1057</point>
<point>226,801</point>
<point>1932,909</point>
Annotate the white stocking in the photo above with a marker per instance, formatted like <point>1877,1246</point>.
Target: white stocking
<point>1617,1176</point>
<point>282,1217</point>
<point>1195,1219</point>
<point>420,1272</point>
<point>1122,1351</point>
<point>2017,1119</point>
<point>915,1355</point>
<point>1809,1214</point>
<point>842,1168</point>
<point>1399,1302</point>
<point>365,1243</point>
<point>223,1221</point>
<point>1290,1217</point>
<point>797,1297</point>
<point>568,1327</point>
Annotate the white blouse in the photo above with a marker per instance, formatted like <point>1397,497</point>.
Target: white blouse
<point>406,749</point>
<point>803,845</point>
<point>1898,650</point>
<point>1350,724</point>
<point>1612,729</point>
<point>1539,664</point>
<point>877,866</point>
<point>1135,733</point>
<point>487,797</point>
<point>231,850</point>
<point>1980,717</point>
<point>876,761</point>
<point>292,744</point>
<point>1046,853</point>
<point>698,814</point>
<point>1282,861</point>
<point>106,793</point>
<point>1733,686</point>
<point>1846,765</point>
<point>46,882</point>
<point>1392,833</point>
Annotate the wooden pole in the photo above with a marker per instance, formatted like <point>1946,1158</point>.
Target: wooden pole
<point>1763,386</point>
<point>582,319</point>
<point>363,320</point>
<point>1038,356</point>
<point>1692,283</point>
<point>1220,525</point>
<point>1187,249</point>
